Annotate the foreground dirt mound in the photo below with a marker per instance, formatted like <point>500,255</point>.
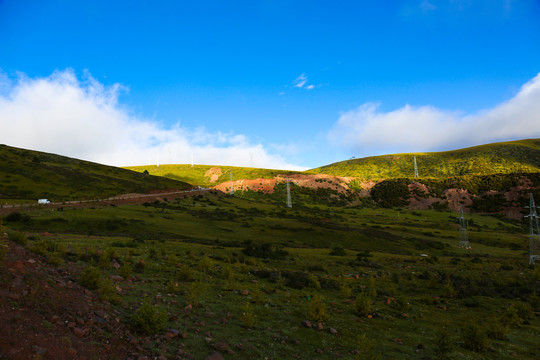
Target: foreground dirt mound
<point>44,314</point>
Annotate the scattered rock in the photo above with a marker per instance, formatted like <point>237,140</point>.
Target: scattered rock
<point>319,326</point>
<point>39,350</point>
<point>171,333</point>
<point>245,292</point>
<point>79,332</point>
<point>306,323</point>
<point>215,356</point>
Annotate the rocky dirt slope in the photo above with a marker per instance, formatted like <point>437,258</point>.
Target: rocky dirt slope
<point>44,314</point>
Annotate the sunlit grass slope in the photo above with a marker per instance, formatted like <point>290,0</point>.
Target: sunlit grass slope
<point>522,156</point>
<point>200,175</point>
<point>26,174</point>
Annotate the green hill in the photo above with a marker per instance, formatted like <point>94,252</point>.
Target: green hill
<point>26,174</point>
<point>522,156</point>
<point>202,174</point>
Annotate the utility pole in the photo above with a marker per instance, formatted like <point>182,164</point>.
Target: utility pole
<point>289,202</point>
<point>463,237</point>
<point>534,234</point>
<point>415,169</point>
<point>232,189</point>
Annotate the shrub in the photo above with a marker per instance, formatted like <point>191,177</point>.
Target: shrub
<point>194,293</point>
<point>496,329</point>
<point>345,291</point>
<point>371,287</point>
<point>55,259</point>
<point>172,287</point>
<point>227,273</point>
<point>139,266</point>
<point>401,304</point>
<point>125,270</point>
<point>265,251</point>
<point>248,316</point>
<point>474,338</point>
<point>366,348</point>
<point>257,295</point>
<point>108,292</point>
<point>448,290</point>
<point>362,305</point>
<point>206,264</point>
<point>90,278</point>
<point>147,319</point>
<point>338,251</point>
<point>317,309</point>
<point>444,343</point>
<point>185,273</point>
<point>18,237</point>
<point>524,311</point>
<point>314,282</point>
<point>534,300</point>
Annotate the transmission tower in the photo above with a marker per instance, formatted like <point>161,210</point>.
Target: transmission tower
<point>463,237</point>
<point>289,202</point>
<point>232,188</point>
<point>534,233</point>
<point>415,168</point>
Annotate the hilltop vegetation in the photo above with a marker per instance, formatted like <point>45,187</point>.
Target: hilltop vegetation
<point>521,156</point>
<point>27,174</point>
<point>209,175</point>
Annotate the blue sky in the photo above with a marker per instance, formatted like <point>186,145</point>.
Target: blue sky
<point>293,84</point>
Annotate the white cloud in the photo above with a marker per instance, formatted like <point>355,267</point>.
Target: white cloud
<point>369,131</point>
<point>83,119</point>
<point>300,81</point>
<point>310,87</point>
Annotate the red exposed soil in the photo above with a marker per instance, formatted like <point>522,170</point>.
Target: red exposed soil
<point>337,183</point>
<point>213,173</point>
<point>45,315</point>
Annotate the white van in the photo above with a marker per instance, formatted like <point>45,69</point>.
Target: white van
<point>43,201</point>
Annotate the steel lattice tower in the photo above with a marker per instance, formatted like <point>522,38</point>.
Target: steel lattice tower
<point>415,168</point>
<point>289,202</point>
<point>463,237</point>
<point>232,188</point>
<point>534,233</point>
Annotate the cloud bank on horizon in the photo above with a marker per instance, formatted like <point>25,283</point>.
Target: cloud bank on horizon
<point>369,131</point>
<point>83,119</point>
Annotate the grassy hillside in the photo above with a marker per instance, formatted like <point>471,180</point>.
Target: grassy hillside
<point>521,156</point>
<point>200,175</point>
<point>26,174</point>
<point>232,273</point>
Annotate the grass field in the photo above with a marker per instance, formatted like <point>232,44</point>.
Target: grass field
<point>31,175</point>
<point>522,156</point>
<point>242,274</point>
<point>198,174</point>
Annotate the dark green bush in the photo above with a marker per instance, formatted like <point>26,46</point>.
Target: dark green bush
<point>391,193</point>
<point>474,337</point>
<point>147,319</point>
<point>90,278</point>
<point>338,251</point>
<point>18,237</point>
<point>265,251</point>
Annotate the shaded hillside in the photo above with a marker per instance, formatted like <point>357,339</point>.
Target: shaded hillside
<point>26,174</point>
<point>521,156</point>
<point>209,175</point>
